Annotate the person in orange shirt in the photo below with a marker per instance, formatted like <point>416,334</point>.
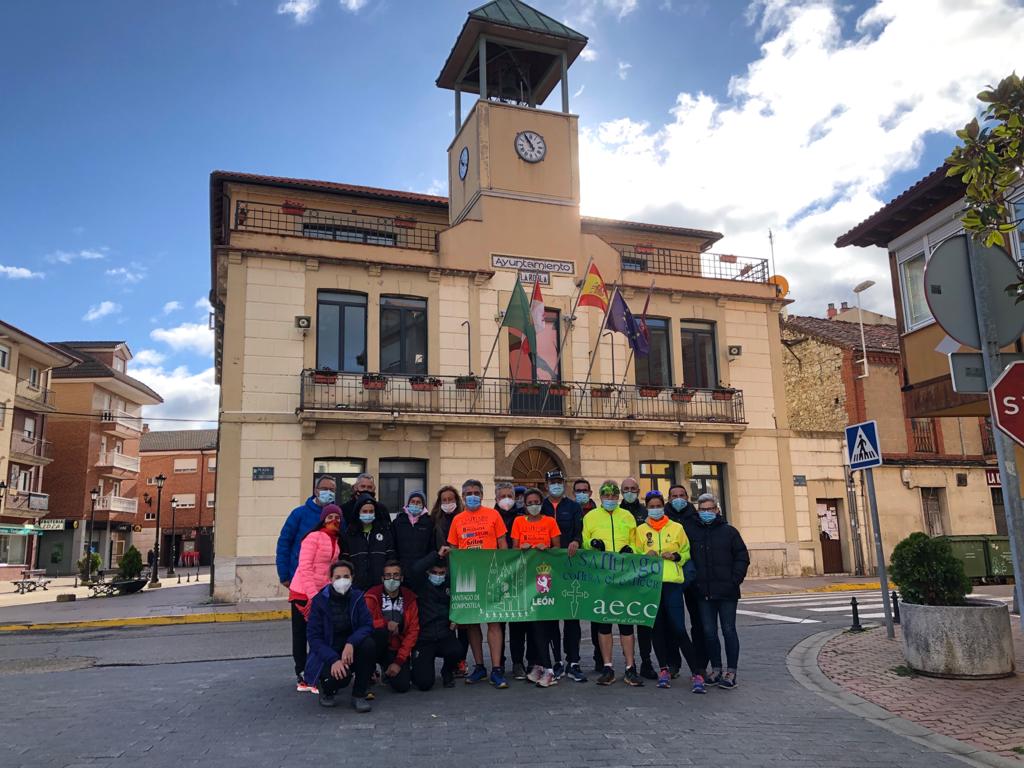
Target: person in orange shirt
<point>538,531</point>
<point>480,527</point>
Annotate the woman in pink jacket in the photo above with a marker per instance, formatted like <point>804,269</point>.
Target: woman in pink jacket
<point>318,551</point>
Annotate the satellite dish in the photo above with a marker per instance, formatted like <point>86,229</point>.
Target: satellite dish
<point>781,284</point>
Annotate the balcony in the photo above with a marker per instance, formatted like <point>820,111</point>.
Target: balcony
<point>121,423</point>
<point>33,397</point>
<point>31,450</point>
<point>27,502</point>
<point>669,261</point>
<point>492,397</point>
<point>116,504</point>
<point>295,220</point>
<point>117,464</point>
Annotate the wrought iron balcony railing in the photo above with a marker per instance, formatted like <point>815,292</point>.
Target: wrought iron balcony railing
<point>31,446</point>
<point>669,261</point>
<point>295,220</point>
<point>465,395</point>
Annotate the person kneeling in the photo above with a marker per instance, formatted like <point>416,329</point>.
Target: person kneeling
<point>437,639</point>
<point>341,649</point>
<point>396,626</point>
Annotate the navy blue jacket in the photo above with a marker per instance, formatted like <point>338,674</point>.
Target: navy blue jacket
<point>569,517</point>
<point>320,630</point>
<point>301,521</point>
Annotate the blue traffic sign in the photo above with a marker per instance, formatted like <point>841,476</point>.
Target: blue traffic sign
<point>862,449</point>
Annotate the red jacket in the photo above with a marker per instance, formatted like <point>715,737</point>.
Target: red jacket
<point>402,643</point>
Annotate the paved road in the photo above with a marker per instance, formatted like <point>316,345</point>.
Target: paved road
<point>222,695</point>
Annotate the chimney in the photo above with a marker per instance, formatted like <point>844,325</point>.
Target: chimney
<point>843,307</point>
<point>145,428</point>
<point>831,313</point>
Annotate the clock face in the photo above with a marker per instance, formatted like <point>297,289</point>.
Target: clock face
<point>530,146</point>
<point>464,163</point>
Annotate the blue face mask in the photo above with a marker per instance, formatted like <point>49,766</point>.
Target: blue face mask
<point>610,505</point>
<point>655,513</point>
<point>556,489</point>
<point>629,496</point>
<point>415,509</point>
<point>707,517</point>
<point>437,579</point>
<point>582,497</point>
<point>473,501</point>
<point>325,497</point>
<point>678,504</point>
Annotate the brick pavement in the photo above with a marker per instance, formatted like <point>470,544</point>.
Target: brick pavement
<point>987,714</point>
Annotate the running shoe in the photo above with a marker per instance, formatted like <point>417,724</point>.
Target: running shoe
<point>647,670</point>
<point>361,706</point>
<point>607,676</point>
<point>301,686</point>
<point>728,680</point>
<point>698,683</point>
<point>547,679</point>
<point>536,673</point>
<point>518,672</point>
<point>498,678</point>
<point>478,674</point>
<point>713,678</point>
<point>558,670</point>
<point>664,679</point>
<point>327,700</point>
<point>447,679</point>
<point>576,674</point>
<point>462,670</point>
<point>631,678</point>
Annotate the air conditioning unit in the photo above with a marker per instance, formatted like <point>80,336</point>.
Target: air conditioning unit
<point>303,322</point>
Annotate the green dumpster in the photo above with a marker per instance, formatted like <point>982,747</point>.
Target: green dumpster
<point>1000,561</point>
<point>972,551</point>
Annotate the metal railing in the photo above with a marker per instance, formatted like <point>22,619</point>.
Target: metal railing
<point>28,501</point>
<point>118,461</point>
<point>31,446</point>
<point>923,432</point>
<point>669,261</point>
<point>122,419</point>
<point>35,393</point>
<point>113,503</point>
<point>504,397</point>
<point>295,220</point>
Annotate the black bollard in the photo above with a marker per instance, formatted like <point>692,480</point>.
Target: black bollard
<point>856,627</point>
<point>895,607</point>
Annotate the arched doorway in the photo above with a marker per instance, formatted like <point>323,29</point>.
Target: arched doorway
<point>531,467</point>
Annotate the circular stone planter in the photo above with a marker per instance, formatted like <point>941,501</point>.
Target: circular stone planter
<point>972,641</point>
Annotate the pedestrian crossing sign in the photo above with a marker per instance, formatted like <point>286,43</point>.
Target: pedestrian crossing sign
<point>862,450</point>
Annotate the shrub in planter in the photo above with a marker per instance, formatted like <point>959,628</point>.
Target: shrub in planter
<point>682,394</point>
<point>927,573</point>
<point>723,394</point>
<point>325,376</point>
<point>650,391</point>
<point>424,383</point>
<point>129,565</point>
<point>83,569</point>
<point>528,389</point>
<point>467,382</point>
<point>601,392</point>
<point>374,381</point>
<point>558,390</point>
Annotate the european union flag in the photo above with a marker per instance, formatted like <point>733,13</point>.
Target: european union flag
<point>620,319</point>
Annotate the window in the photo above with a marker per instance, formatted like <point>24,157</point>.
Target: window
<point>209,500</point>
<point>934,517</point>
<point>30,427</point>
<point>151,480</point>
<point>915,307</point>
<point>399,478</point>
<point>211,464</point>
<point>633,263</point>
<point>341,331</point>
<point>347,233</point>
<point>186,500</point>
<point>344,472</point>
<point>656,368</point>
<point>33,377</point>
<point>5,357</point>
<point>3,414</point>
<point>657,475</point>
<point>700,362</point>
<point>923,432</point>
<point>403,335</point>
<point>13,550</point>
<point>182,466</point>
<point>150,516</point>
<point>708,478</point>
<point>119,364</point>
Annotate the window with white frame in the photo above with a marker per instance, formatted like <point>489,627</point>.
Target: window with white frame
<point>185,500</point>
<point>211,464</point>
<point>5,357</point>
<point>182,466</point>
<point>912,258</point>
<point>209,500</point>
<point>33,377</point>
<point>151,515</point>
<point>151,480</point>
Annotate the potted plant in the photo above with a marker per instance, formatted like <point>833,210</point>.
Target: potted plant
<point>374,381</point>
<point>324,376</point>
<point>647,390</point>
<point>293,208</point>
<point>424,383</point>
<point>727,258</point>
<point>527,388</point>
<point>87,573</point>
<point>944,634</point>
<point>724,393</point>
<point>558,389</point>
<point>602,391</point>
<point>129,572</point>
<point>682,394</point>
<point>467,382</point>
<point>405,222</point>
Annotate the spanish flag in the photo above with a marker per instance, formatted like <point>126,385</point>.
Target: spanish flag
<point>594,293</point>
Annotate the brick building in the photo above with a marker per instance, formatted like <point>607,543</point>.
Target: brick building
<point>188,459</point>
<point>26,402</point>
<point>96,445</point>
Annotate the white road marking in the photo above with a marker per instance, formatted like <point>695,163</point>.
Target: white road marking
<point>838,609</point>
<point>778,617</point>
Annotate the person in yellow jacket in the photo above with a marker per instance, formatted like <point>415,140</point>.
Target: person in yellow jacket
<point>658,536</point>
<point>609,528</point>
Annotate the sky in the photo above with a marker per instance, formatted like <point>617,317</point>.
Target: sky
<point>739,116</point>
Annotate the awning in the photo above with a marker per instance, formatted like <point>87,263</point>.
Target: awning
<point>20,530</point>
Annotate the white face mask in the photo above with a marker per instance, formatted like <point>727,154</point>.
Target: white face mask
<point>448,507</point>
<point>506,503</point>
<point>342,585</point>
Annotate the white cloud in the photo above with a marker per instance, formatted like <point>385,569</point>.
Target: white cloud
<point>171,306</point>
<point>589,54</point>
<point>194,337</point>
<point>584,13</point>
<point>19,273</point>
<point>203,303</point>
<point>148,357</point>
<point>579,91</point>
<point>85,254</point>
<point>131,275</point>
<point>299,9</point>
<point>621,8</point>
<point>186,395</point>
<point>437,187</point>
<point>353,6</point>
<point>102,309</point>
<point>624,67</point>
<point>809,135</point>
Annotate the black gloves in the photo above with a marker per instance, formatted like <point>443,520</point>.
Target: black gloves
<point>597,544</point>
<point>626,550</point>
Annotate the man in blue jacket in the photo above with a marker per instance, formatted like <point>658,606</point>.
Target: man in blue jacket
<point>300,522</point>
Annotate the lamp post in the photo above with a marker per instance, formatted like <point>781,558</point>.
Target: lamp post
<point>174,554</point>
<point>94,494</point>
<point>859,289</point>
<point>154,581</point>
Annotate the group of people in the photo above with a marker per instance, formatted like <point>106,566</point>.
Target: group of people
<point>370,596</point>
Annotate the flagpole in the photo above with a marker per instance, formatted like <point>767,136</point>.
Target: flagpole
<point>561,341</point>
<point>593,354</point>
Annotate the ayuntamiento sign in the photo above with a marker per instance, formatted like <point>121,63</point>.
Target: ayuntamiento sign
<point>536,585</point>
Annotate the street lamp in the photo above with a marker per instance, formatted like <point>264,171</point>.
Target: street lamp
<point>859,289</point>
<point>174,554</point>
<point>94,494</point>
<point>154,581</point>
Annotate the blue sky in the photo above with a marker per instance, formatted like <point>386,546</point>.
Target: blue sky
<point>116,111</point>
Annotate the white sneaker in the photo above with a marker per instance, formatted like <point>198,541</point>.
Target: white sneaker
<point>547,679</point>
<point>536,673</point>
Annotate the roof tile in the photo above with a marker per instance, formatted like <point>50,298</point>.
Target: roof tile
<point>878,338</point>
<point>178,440</point>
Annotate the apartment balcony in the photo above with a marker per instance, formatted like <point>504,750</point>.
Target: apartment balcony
<point>669,261</point>
<point>31,450</point>
<point>295,220</point>
<point>27,502</point>
<point>34,397</point>
<point>114,464</point>
<point>502,402</point>
<point>113,503</point>
<point>121,423</point>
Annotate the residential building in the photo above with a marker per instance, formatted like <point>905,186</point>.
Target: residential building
<point>935,472</point>
<point>26,405</point>
<point>355,326</point>
<point>96,446</point>
<point>187,458</point>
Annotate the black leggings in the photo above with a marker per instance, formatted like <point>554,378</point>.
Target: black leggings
<point>299,652</point>
<point>384,656</point>
<point>423,661</point>
<point>670,629</point>
<point>360,671</point>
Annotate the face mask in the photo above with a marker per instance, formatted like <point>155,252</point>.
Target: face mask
<point>609,504</point>
<point>707,516</point>
<point>332,525</point>
<point>582,497</point>
<point>629,496</point>
<point>678,504</point>
<point>556,489</point>
<point>437,579</point>
<point>506,503</point>
<point>342,585</point>
<point>392,585</point>
<point>448,507</point>
<point>366,517</point>
<point>655,513</point>
<point>325,497</point>
<point>473,501</point>
<point>533,509</point>
<point>415,509</point>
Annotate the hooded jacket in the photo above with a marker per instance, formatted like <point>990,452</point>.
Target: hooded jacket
<point>409,629</point>
<point>412,541</point>
<point>300,521</point>
<point>320,630</point>
<point>369,552</point>
<point>721,559</point>
<point>433,603</point>
<point>350,511</point>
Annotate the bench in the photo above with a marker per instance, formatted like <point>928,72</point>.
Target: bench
<point>103,586</point>
<point>31,580</point>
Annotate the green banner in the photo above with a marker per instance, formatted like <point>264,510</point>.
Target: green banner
<point>535,585</point>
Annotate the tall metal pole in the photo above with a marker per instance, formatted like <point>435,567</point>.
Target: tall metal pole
<point>1005,456</point>
<point>174,526</point>
<point>154,580</point>
<point>88,546</point>
<point>593,352</point>
<point>883,576</point>
<point>469,346</point>
<point>851,500</point>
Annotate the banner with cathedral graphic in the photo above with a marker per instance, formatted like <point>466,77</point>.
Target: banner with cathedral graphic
<point>535,585</point>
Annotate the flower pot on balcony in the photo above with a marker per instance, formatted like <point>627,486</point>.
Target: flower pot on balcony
<point>602,393</point>
<point>405,223</point>
<point>325,377</point>
<point>649,391</point>
<point>723,394</point>
<point>726,258</point>
<point>374,382</point>
<point>558,390</point>
<point>467,382</point>
<point>423,384</point>
<point>527,389</point>
<point>292,208</point>
<point>682,395</point>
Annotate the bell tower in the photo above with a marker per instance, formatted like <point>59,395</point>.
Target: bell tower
<point>511,57</point>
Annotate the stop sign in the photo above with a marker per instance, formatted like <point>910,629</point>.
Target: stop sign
<point>1007,401</point>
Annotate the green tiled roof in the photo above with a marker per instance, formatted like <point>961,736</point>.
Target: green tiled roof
<point>514,13</point>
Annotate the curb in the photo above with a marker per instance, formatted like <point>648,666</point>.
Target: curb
<point>844,587</point>
<point>802,662</point>
<point>149,621</point>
